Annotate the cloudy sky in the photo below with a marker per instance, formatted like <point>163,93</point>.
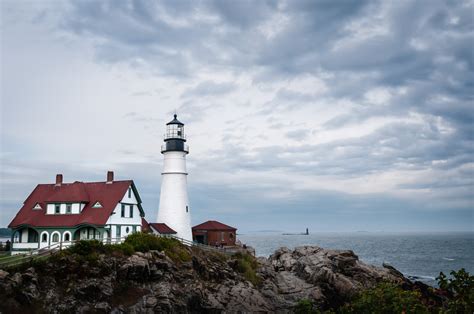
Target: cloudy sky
<point>332,115</point>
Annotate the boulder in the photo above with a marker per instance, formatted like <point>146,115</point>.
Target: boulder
<point>152,282</point>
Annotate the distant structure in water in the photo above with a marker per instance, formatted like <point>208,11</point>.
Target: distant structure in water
<point>305,233</point>
<point>174,208</point>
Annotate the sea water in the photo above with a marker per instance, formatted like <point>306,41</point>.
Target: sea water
<point>420,256</point>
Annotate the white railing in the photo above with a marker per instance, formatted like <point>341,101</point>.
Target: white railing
<point>14,259</point>
<point>25,245</point>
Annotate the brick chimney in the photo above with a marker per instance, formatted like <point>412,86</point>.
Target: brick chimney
<point>110,177</point>
<point>59,180</point>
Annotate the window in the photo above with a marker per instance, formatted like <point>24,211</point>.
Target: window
<point>37,206</point>
<point>231,235</point>
<point>66,237</point>
<point>44,237</point>
<point>127,230</point>
<point>117,228</point>
<point>57,208</point>
<point>131,211</point>
<point>68,208</point>
<point>187,208</point>
<point>123,210</point>
<point>129,192</point>
<point>56,237</point>
<point>97,205</point>
<point>222,236</point>
<point>134,228</point>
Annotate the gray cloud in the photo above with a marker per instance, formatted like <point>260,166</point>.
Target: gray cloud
<point>209,88</point>
<point>398,80</point>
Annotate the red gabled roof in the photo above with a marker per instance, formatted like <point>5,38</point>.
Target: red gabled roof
<point>72,192</point>
<point>162,228</point>
<point>109,195</point>
<point>213,225</point>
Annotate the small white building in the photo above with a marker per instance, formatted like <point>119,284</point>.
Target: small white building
<point>62,212</point>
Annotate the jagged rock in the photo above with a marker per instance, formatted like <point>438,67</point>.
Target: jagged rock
<point>152,282</point>
<point>102,307</point>
<point>3,274</point>
<point>135,267</point>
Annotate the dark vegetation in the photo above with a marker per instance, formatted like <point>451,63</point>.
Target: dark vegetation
<point>247,265</point>
<point>137,242</point>
<point>455,295</point>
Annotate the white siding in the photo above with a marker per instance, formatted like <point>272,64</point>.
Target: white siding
<point>174,209</point>
<point>117,221</point>
<point>24,235</point>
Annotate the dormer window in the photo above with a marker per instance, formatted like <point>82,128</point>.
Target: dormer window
<point>97,205</point>
<point>57,208</point>
<point>68,208</point>
<point>37,206</point>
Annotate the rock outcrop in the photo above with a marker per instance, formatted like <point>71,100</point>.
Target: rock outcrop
<point>152,282</point>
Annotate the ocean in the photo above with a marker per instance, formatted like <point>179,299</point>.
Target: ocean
<point>420,256</point>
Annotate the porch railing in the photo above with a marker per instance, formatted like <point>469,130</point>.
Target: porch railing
<point>43,252</point>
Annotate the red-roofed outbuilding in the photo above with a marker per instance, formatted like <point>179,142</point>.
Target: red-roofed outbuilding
<point>215,233</point>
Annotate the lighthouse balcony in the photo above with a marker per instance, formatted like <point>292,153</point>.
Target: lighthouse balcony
<point>175,147</point>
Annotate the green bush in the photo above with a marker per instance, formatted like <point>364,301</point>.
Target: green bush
<point>247,265</point>
<point>386,298</point>
<point>304,306</point>
<point>144,242</point>
<point>460,289</point>
<point>86,247</point>
<point>122,248</point>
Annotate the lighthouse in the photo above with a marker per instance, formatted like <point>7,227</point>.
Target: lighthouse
<point>174,209</point>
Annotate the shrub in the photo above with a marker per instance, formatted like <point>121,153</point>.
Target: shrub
<point>247,265</point>
<point>304,306</point>
<point>386,298</point>
<point>86,247</point>
<point>122,248</point>
<point>460,289</point>
<point>144,242</point>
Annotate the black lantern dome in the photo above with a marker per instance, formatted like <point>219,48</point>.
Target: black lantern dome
<point>175,121</point>
<point>175,137</point>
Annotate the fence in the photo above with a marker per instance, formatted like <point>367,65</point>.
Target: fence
<point>18,259</point>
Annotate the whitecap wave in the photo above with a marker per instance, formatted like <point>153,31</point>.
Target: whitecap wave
<point>420,277</point>
<point>448,259</point>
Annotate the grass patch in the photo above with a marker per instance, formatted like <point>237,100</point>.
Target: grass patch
<point>247,265</point>
<point>144,242</point>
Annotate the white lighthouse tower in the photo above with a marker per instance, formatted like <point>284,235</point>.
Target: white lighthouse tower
<point>174,207</point>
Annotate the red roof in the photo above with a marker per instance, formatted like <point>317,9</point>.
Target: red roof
<point>162,228</point>
<point>109,195</point>
<point>73,192</point>
<point>145,225</point>
<point>213,225</point>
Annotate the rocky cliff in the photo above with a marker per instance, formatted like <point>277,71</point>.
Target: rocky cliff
<point>205,282</point>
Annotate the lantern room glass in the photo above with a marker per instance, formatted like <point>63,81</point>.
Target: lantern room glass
<point>175,131</point>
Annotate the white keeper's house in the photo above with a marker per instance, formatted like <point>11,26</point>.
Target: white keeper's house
<point>62,212</point>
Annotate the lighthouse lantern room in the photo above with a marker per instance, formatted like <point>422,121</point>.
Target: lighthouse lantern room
<point>174,207</point>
